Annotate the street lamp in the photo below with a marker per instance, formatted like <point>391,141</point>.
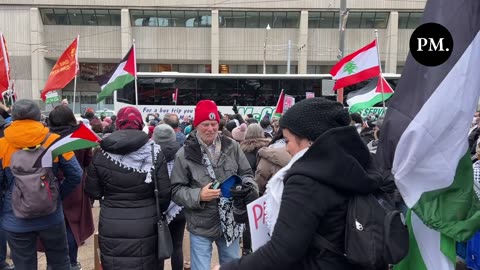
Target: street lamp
<point>265,49</point>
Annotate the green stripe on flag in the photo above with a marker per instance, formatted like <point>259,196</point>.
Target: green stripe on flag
<point>71,146</point>
<point>118,83</point>
<point>363,105</point>
<point>455,210</point>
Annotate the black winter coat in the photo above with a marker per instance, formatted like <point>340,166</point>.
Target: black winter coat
<point>127,230</point>
<point>314,201</point>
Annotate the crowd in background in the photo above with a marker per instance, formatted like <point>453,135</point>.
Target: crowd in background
<point>290,160</point>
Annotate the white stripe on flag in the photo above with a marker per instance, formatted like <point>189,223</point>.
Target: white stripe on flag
<point>118,72</point>
<point>363,98</point>
<point>364,60</point>
<point>428,242</point>
<point>428,152</point>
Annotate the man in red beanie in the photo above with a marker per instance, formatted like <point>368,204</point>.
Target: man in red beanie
<point>205,158</point>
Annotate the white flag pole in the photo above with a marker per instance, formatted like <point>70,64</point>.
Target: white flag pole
<point>76,73</point>
<point>135,69</point>
<point>380,78</point>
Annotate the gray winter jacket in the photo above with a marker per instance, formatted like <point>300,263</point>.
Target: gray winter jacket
<point>189,175</point>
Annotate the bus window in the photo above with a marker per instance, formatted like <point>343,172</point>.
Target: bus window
<point>127,94</point>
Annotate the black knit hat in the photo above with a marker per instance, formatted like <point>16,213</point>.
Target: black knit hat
<point>311,117</point>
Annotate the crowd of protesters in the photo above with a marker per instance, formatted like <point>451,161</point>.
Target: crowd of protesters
<point>297,160</point>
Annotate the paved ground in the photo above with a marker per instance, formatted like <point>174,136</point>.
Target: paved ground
<point>85,252</point>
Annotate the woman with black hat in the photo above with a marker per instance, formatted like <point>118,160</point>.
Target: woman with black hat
<point>309,196</point>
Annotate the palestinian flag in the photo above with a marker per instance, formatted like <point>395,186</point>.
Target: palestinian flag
<point>280,104</point>
<point>369,95</point>
<point>124,73</point>
<point>80,138</point>
<point>424,141</point>
<point>356,67</point>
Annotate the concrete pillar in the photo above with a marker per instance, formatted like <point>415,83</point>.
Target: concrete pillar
<point>127,35</point>
<point>302,43</point>
<point>215,42</point>
<point>391,48</point>
<point>39,65</point>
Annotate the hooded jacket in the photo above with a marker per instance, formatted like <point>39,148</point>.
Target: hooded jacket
<point>250,147</point>
<point>189,176</point>
<point>314,201</point>
<point>28,133</point>
<point>269,161</point>
<point>127,230</point>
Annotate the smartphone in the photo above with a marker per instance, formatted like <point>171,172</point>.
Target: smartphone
<point>215,185</point>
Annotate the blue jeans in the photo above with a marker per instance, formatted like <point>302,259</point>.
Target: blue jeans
<point>201,251</point>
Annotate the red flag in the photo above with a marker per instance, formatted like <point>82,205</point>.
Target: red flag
<point>280,103</point>
<point>4,65</point>
<point>64,70</point>
<point>175,96</point>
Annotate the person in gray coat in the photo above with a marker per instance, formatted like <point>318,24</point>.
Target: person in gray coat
<point>206,157</point>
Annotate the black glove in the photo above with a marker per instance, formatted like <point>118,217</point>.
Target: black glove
<point>242,195</point>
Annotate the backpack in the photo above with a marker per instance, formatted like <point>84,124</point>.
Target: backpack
<point>375,232</point>
<point>36,190</point>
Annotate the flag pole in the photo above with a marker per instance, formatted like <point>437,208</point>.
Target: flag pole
<point>380,79</point>
<point>135,68</point>
<point>76,73</point>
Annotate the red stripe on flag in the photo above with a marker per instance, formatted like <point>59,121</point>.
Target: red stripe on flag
<point>349,57</point>
<point>359,77</point>
<point>85,133</point>
<point>280,103</point>
<point>386,87</point>
<point>130,65</point>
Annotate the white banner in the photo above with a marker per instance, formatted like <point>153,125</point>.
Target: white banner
<point>310,94</point>
<point>258,228</point>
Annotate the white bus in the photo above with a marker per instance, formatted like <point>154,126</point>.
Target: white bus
<point>255,94</point>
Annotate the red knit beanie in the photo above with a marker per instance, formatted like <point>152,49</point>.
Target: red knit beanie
<point>129,118</point>
<point>206,110</point>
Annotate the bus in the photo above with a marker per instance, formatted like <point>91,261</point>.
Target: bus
<point>255,94</point>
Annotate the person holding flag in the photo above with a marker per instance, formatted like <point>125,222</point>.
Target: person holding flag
<point>26,133</point>
<point>429,158</point>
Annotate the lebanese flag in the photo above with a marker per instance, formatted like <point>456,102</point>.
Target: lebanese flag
<point>4,65</point>
<point>64,70</point>
<point>175,96</point>
<point>424,141</point>
<point>80,138</point>
<point>280,105</point>
<point>124,73</point>
<point>356,67</point>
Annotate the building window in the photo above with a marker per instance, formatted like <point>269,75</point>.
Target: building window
<point>171,18</point>
<point>88,71</point>
<point>409,20</point>
<point>102,17</point>
<point>330,19</point>
<point>323,19</point>
<point>259,19</point>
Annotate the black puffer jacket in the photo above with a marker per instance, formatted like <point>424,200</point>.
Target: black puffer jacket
<point>314,201</point>
<point>127,231</point>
